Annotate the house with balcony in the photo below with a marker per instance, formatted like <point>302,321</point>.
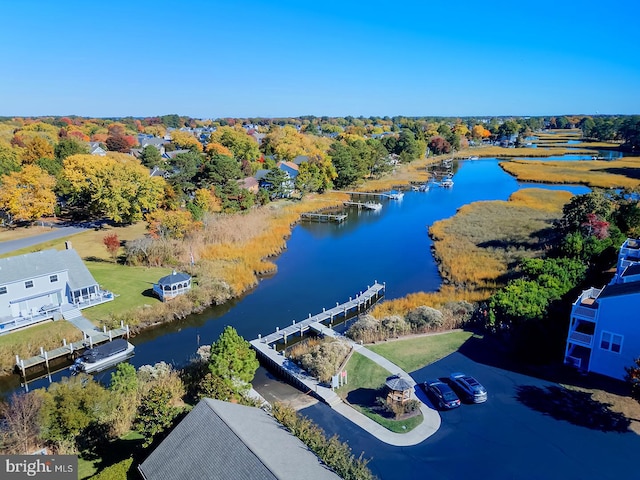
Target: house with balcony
<point>604,328</point>
<point>45,285</point>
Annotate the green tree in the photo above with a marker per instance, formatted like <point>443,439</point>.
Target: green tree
<point>185,168</point>
<point>218,170</point>
<point>519,302</point>
<point>155,413</point>
<point>345,164</point>
<point>69,146</point>
<point>9,159</point>
<point>233,360</point>
<point>277,183</point>
<point>234,198</point>
<point>70,407</point>
<point>151,157</point>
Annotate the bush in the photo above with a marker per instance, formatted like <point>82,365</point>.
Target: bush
<point>324,359</point>
<point>423,317</point>
<point>398,410</point>
<point>365,329</point>
<point>117,471</point>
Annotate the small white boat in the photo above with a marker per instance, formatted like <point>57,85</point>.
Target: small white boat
<point>373,206</point>
<point>103,356</point>
<point>447,183</point>
<point>395,195</point>
<point>473,157</point>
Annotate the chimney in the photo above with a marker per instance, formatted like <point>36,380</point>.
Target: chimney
<point>67,245</point>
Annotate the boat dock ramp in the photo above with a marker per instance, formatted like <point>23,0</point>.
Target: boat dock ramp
<point>57,359</point>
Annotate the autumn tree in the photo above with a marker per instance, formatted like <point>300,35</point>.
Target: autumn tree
<point>116,186</point>
<point>237,141</point>
<point>27,195</point>
<point>185,140</point>
<point>118,143</point>
<point>35,148</point>
<point>21,418</point>
<point>112,244</point>
<point>170,223</point>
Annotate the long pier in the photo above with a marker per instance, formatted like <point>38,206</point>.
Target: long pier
<point>67,350</point>
<point>360,303</point>
<point>390,195</point>
<point>324,217</point>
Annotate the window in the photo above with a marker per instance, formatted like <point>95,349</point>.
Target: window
<point>611,341</point>
<point>53,278</point>
<point>3,290</point>
<point>28,284</point>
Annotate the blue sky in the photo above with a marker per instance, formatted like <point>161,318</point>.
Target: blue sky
<point>282,58</point>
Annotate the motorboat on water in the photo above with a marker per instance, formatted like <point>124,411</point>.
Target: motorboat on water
<point>103,356</point>
<point>447,183</point>
<point>373,206</point>
<point>395,195</point>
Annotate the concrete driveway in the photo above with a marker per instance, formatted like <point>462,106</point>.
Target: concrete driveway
<point>528,429</point>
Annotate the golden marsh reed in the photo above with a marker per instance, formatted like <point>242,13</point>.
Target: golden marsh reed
<point>621,173</point>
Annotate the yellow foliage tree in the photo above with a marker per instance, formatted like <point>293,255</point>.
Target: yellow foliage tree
<point>117,186</point>
<point>170,223</point>
<point>479,132</point>
<point>28,194</point>
<point>35,148</point>
<point>207,200</point>
<point>215,148</point>
<point>185,140</point>
<point>156,130</point>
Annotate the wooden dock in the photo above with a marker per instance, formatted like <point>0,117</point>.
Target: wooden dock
<point>366,205</point>
<point>360,303</point>
<point>390,195</point>
<point>324,217</point>
<point>67,350</point>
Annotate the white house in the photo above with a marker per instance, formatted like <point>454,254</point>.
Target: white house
<point>39,286</point>
<point>604,330</point>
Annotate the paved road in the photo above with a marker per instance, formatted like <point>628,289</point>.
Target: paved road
<point>528,429</point>
<point>56,232</point>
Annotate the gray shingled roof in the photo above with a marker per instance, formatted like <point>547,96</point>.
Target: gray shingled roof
<point>175,277</point>
<point>46,262</point>
<point>397,383</point>
<point>220,440</point>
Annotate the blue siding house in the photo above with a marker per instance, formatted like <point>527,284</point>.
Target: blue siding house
<point>604,330</point>
<point>45,285</point>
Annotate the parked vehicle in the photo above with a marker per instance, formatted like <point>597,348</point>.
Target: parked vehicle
<point>470,387</point>
<point>442,394</point>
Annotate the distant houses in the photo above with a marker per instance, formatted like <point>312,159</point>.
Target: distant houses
<point>604,333</point>
<point>49,284</point>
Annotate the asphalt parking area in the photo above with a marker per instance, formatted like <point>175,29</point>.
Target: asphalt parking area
<point>528,429</point>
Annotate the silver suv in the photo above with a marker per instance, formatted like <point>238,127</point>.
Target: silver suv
<point>470,387</point>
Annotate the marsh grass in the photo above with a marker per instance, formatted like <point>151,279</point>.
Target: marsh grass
<point>494,151</point>
<point>622,173</point>
<point>476,247</point>
<point>27,342</point>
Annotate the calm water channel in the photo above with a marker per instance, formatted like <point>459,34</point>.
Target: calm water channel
<point>327,263</point>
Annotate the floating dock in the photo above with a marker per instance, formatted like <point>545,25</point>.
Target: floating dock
<point>30,367</point>
<point>324,217</point>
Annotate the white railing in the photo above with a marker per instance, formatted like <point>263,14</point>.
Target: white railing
<point>573,361</point>
<point>585,312</point>
<point>583,338</point>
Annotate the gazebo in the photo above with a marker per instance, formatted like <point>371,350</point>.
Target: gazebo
<point>172,285</point>
<point>399,389</point>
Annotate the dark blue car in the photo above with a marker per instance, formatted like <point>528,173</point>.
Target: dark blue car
<point>441,394</point>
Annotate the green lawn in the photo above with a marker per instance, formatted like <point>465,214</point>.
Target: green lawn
<point>366,379</point>
<point>414,353</point>
<point>117,450</point>
<point>133,285</point>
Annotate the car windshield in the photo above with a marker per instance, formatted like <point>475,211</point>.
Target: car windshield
<point>449,396</point>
